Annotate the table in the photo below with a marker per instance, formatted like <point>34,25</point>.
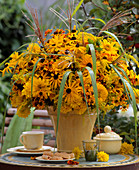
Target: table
<point>12,161</point>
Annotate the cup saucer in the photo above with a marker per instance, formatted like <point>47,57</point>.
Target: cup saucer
<point>22,150</point>
<point>44,148</point>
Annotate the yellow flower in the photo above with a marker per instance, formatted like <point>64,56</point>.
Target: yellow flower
<point>133,59</point>
<point>77,152</point>
<point>72,93</point>
<point>69,52</point>
<point>102,156</point>
<point>136,95</point>
<point>126,148</point>
<point>102,92</point>
<point>23,110</point>
<point>34,48</point>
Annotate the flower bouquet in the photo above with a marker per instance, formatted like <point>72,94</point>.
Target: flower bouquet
<point>73,71</point>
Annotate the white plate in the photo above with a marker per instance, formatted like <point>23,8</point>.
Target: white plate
<point>22,150</point>
<point>39,158</point>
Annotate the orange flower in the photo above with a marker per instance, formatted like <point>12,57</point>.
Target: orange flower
<point>106,2</point>
<point>33,157</point>
<point>48,32</point>
<point>71,162</point>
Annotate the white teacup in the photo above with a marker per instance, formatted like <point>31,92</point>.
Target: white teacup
<point>32,139</point>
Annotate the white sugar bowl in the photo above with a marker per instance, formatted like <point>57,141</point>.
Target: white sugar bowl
<point>109,142</point>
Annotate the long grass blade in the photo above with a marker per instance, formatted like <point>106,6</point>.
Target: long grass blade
<point>118,73</point>
<point>77,7</point>
<point>62,85</point>
<point>94,84</point>
<point>16,127</point>
<point>93,54</point>
<point>97,19</point>
<point>131,99</point>
<point>134,106</point>
<point>82,25</point>
<point>123,73</point>
<point>92,28</point>
<point>3,62</point>
<point>113,35</point>
<point>81,79</point>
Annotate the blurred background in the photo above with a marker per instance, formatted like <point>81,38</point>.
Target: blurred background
<point>14,32</point>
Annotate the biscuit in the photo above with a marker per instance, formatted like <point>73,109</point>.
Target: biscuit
<point>56,158</point>
<point>48,153</point>
<point>45,157</point>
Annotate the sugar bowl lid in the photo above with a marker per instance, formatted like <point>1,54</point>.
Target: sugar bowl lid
<point>108,135</point>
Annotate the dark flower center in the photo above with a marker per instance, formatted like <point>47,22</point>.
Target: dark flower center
<point>66,51</point>
<point>68,90</point>
<point>73,31</point>
<point>42,60</point>
<point>89,65</point>
<point>73,38</point>
<point>56,76</point>
<point>20,86</point>
<point>40,93</point>
<point>77,45</point>
<point>30,64</point>
<point>40,103</point>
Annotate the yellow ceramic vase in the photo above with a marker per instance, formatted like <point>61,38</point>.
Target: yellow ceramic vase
<point>72,129</point>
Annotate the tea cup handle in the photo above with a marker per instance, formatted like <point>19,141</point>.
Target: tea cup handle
<point>21,139</point>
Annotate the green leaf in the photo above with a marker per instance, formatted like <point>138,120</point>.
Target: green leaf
<point>2,63</point>
<point>93,54</point>
<point>118,73</point>
<point>125,82</point>
<point>62,85</point>
<point>133,101</point>
<point>81,26</point>
<point>94,84</point>
<point>92,28</point>
<point>128,138</point>
<point>16,127</point>
<point>81,79</point>
<point>92,11</point>
<point>123,73</point>
<point>98,19</point>
<point>24,45</point>
<point>77,7</point>
<point>124,133</point>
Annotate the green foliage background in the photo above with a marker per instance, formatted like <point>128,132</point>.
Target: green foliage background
<point>13,31</point>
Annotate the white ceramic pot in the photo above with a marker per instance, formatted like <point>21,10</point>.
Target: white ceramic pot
<point>109,142</point>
